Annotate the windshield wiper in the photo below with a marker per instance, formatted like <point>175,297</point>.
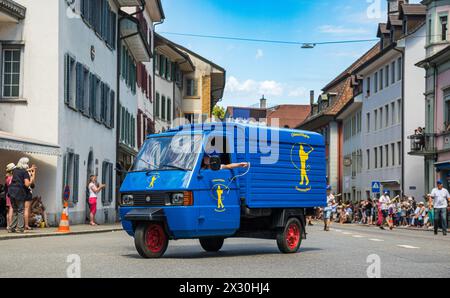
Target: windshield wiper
<point>174,167</point>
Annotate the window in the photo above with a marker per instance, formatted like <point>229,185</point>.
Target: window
<point>162,65</point>
<point>381,157</point>
<point>127,128</point>
<point>381,118</point>
<point>399,148</point>
<point>375,83</point>
<point>393,154</point>
<point>394,115</point>
<point>447,112</point>
<point>444,21</point>
<point>376,158</point>
<point>393,72</point>
<point>11,73</point>
<point>69,80</point>
<point>399,69</point>
<point>368,158</point>
<point>71,165</point>
<point>191,87</point>
<point>386,108</point>
<point>358,122</point>
<point>107,178</point>
<point>163,107</point>
<point>376,120</point>
<point>368,87</point>
<point>381,79</point>
<point>169,110</point>
<point>100,17</point>
<point>368,122</point>
<point>399,111</point>
<point>386,149</point>
<point>157,109</point>
<point>128,69</point>
<point>387,76</point>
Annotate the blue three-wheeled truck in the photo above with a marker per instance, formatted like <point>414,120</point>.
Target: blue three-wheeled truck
<point>221,180</point>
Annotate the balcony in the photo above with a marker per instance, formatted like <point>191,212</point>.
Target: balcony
<point>423,144</point>
<point>130,3</point>
<point>132,35</point>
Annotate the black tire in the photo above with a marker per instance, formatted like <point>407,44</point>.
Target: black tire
<point>289,239</point>
<point>212,244</point>
<point>151,240</point>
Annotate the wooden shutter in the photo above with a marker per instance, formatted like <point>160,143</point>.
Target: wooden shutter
<point>150,89</point>
<point>112,104</point>
<point>67,71</point>
<point>139,129</point>
<point>110,182</point>
<point>104,181</point>
<point>139,75</point>
<point>76,178</point>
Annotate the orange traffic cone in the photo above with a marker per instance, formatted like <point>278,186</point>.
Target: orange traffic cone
<point>64,223</point>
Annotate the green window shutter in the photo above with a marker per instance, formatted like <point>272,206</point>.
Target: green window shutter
<point>169,110</point>
<point>157,104</point>
<point>104,181</point>
<point>76,178</point>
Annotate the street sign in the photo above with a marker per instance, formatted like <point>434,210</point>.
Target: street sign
<point>66,193</point>
<point>376,187</point>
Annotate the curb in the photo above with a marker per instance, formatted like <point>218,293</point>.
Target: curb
<point>56,234</point>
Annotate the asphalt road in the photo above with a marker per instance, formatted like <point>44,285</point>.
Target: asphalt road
<point>342,252</point>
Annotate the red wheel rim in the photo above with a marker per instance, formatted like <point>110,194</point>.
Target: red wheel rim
<point>293,236</point>
<point>155,238</point>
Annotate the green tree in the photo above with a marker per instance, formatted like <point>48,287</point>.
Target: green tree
<point>219,112</point>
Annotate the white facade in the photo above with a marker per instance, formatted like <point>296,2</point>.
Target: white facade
<point>388,118</point>
<point>352,183</point>
<point>414,116</point>
<point>41,111</point>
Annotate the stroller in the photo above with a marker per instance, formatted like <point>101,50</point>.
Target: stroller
<point>2,206</point>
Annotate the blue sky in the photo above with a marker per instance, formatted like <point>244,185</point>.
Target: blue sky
<point>283,73</point>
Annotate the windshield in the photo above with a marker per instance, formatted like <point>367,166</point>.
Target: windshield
<point>168,153</point>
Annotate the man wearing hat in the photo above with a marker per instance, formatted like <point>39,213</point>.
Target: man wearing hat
<point>440,197</point>
<point>385,201</point>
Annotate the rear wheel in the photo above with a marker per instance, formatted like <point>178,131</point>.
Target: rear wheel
<point>151,240</point>
<point>212,244</point>
<point>290,238</point>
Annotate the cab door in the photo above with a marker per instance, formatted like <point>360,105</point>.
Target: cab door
<point>219,204</point>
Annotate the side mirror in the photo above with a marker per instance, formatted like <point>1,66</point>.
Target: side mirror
<point>215,163</point>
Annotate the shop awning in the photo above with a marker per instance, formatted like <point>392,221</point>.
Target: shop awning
<point>12,142</point>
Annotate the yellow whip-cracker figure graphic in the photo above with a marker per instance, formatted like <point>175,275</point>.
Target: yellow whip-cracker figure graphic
<point>304,156</point>
<point>303,152</point>
<point>219,198</point>
<point>152,181</point>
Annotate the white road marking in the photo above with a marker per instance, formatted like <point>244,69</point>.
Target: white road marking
<point>376,240</point>
<point>347,233</point>
<point>338,231</point>
<point>358,236</point>
<point>408,246</point>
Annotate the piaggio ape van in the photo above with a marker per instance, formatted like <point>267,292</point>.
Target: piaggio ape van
<point>180,187</point>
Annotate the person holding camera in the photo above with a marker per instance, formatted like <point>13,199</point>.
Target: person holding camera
<point>29,198</point>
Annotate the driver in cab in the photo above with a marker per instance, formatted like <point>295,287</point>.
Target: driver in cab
<point>207,164</point>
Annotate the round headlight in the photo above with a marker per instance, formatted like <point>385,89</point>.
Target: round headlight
<point>127,200</point>
<point>177,199</point>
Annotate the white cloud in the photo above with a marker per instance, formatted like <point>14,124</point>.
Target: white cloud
<point>341,30</point>
<point>253,88</point>
<point>259,54</point>
<point>299,92</point>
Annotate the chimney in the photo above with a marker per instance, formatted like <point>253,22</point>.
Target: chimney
<point>311,97</point>
<point>263,103</point>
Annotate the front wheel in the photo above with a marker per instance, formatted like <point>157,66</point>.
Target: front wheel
<point>290,238</point>
<point>212,244</point>
<point>151,240</point>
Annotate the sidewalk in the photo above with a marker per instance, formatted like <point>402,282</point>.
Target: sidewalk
<point>51,232</point>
